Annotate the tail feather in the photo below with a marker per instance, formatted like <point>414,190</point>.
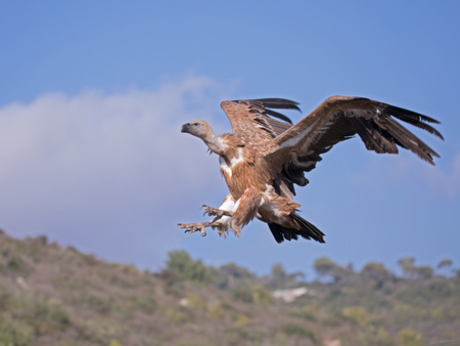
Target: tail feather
<point>307,230</point>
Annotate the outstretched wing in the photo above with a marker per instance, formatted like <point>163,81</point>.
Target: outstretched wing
<point>298,149</point>
<point>252,120</point>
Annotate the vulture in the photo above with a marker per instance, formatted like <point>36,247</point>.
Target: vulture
<point>266,156</point>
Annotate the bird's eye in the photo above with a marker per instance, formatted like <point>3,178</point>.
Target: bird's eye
<point>196,124</point>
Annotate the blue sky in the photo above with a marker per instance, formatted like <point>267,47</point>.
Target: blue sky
<point>92,96</point>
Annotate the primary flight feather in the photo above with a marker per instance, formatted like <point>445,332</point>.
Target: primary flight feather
<point>264,158</point>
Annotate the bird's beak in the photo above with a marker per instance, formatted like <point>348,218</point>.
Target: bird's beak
<point>185,128</point>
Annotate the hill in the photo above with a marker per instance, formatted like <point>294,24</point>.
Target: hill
<point>50,295</point>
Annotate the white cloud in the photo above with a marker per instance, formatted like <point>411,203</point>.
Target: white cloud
<point>94,167</point>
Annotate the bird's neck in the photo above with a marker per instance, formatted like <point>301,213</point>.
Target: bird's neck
<point>214,143</point>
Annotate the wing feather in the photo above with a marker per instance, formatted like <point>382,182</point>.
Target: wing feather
<point>276,103</point>
<point>414,119</point>
<point>252,120</point>
<point>406,139</point>
<point>339,118</point>
<point>373,137</point>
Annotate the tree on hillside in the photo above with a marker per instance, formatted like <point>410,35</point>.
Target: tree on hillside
<point>376,272</point>
<point>278,271</point>
<point>184,268</point>
<point>444,265</point>
<point>329,269</point>
<point>423,272</point>
<point>407,266</point>
<point>230,276</point>
<point>410,271</point>
<point>278,278</point>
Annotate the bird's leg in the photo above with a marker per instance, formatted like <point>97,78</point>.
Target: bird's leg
<point>215,212</point>
<point>247,209</point>
<point>200,226</point>
<point>221,219</point>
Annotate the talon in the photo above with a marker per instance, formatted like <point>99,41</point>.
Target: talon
<point>195,227</point>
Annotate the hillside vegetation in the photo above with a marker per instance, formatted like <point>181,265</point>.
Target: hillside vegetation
<point>50,295</point>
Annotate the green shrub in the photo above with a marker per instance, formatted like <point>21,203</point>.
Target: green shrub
<point>356,314</point>
<point>114,342</point>
<point>99,305</point>
<point>184,268</point>
<point>49,313</point>
<point>174,315</point>
<point>242,321</point>
<point>243,294</point>
<point>146,304</point>
<point>260,295</point>
<point>12,261</point>
<point>305,315</point>
<point>95,331</point>
<point>4,299</point>
<point>252,294</point>
<point>14,333</point>
<point>215,312</point>
<point>296,329</point>
<point>376,337</point>
<point>409,337</point>
<point>194,302</point>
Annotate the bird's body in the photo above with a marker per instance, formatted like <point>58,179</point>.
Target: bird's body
<point>249,178</point>
<point>264,158</point>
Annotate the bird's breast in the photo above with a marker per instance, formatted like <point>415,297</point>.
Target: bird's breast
<point>240,174</point>
<point>237,173</point>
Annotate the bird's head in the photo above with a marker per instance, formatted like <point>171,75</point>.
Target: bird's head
<point>198,128</point>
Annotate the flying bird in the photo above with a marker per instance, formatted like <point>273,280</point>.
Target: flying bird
<point>264,158</point>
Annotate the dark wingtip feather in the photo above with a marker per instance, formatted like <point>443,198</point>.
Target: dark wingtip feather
<point>277,103</point>
<point>415,119</point>
<point>397,112</point>
<point>278,115</point>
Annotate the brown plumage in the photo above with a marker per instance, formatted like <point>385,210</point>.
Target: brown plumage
<point>264,158</point>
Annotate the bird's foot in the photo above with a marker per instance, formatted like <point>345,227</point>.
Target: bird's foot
<point>218,213</point>
<point>194,227</point>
